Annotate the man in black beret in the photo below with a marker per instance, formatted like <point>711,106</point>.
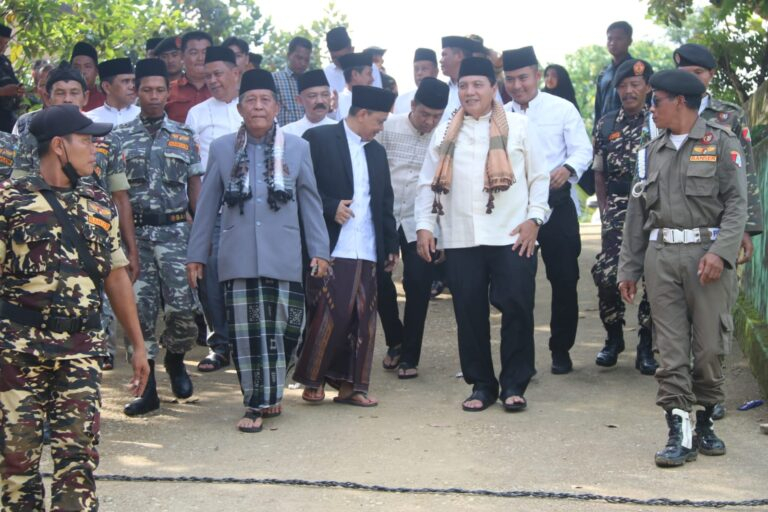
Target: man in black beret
<point>354,184</point>
<point>358,70</point>
<point>190,89</point>
<point>169,51</point>
<point>315,99</point>
<point>682,233</point>
<point>151,44</point>
<point>618,137</point>
<point>339,44</point>
<point>424,65</point>
<point>406,137</point>
<point>117,81</point>
<point>86,60</point>
<point>619,36</point>
<point>11,91</point>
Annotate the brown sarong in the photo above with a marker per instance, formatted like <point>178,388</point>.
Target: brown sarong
<point>342,327</point>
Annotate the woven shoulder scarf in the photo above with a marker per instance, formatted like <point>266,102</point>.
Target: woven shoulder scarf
<point>498,170</point>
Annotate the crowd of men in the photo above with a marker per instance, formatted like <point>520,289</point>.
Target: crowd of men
<point>279,203</point>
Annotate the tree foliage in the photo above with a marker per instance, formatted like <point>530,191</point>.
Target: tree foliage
<point>225,18</point>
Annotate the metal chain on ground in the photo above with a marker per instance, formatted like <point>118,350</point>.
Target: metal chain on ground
<point>354,486</point>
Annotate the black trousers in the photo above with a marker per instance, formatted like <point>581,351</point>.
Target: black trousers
<point>560,244</point>
<point>417,282</point>
<point>511,279</point>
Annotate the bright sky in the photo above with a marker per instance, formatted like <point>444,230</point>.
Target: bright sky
<point>554,27</point>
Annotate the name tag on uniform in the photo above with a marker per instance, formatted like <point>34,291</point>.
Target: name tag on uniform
<point>99,222</point>
<point>703,158</point>
<point>177,144</point>
<point>180,136</point>
<point>614,136</point>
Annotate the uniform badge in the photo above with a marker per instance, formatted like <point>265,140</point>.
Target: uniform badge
<point>746,135</point>
<point>103,211</point>
<point>638,68</point>
<point>614,136</point>
<point>176,144</point>
<point>99,222</point>
<point>708,137</point>
<point>736,158</point>
<point>703,158</point>
<point>723,116</point>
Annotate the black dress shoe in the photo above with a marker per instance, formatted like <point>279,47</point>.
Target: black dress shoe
<point>561,363</point>
<point>149,400</point>
<point>181,384</point>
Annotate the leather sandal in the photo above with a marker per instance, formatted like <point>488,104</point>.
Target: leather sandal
<point>251,415</point>
<point>480,395</point>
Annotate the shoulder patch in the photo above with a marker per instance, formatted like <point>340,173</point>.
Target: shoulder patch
<point>746,135</point>
<point>708,138</point>
<point>736,158</point>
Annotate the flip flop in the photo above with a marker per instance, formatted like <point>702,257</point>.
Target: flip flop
<point>349,400</point>
<point>265,414</point>
<point>215,360</point>
<point>251,415</point>
<point>404,367</point>
<point>478,395</point>
<point>305,396</point>
<point>515,406</point>
<point>394,357</point>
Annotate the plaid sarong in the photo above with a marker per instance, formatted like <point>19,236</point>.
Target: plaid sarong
<point>265,318</point>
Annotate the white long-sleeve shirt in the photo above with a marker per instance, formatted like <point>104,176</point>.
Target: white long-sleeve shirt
<point>210,120</point>
<point>298,128</point>
<point>465,223</point>
<point>116,116</point>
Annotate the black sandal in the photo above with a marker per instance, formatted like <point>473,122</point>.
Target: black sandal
<point>265,414</point>
<point>251,415</point>
<point>515,406</point>
<point>481,395</point>
<point>394,357</point>
<point>215,360</point>
<point>404,367</point>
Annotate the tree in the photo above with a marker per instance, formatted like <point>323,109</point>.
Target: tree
<point>225,18</point>
<point>586,63</point>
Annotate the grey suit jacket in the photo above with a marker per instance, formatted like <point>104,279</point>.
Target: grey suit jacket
<point>260,242</point>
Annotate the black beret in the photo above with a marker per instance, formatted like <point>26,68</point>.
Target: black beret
<point>114,67</point>
<point>337,39</point>
<point>168,44</point>
<point>372,98</point>
<point>152,43</point>
<point>425,54</point>
<point>257,79</point>
<point>60,120</point>
<point>519,58</point>
<point>477,66</point>
<point>87,49</point>
<point>217,53</point>
<point>677,82</point>
<point>468,45</point>
<point>355,60</point>
<point>5,31</point>
<point>375,50</point>
<point>150,67</point>
<point>312,78</point>
<point>632,67</point>
<point>432,93</point>
<point>694,55</point>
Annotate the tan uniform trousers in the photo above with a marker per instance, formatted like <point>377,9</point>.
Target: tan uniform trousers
<point>690,320</point>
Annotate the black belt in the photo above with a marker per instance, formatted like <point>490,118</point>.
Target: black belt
<point>158,219</point>
<point>33,318</point>
<point>619,188</point>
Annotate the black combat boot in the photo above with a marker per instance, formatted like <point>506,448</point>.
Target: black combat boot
<point>181,384</point>
<point>148,401</point>
<point>644,360</point>
<point>705,439</point>
<point>614,345</point>
<point>679,448</point>
<point>718,412</point>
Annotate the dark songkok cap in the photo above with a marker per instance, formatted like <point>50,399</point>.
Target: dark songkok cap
<point>257,79</point>
<point>60,120</point>
<point>375,50</point>
<point>168,44</point>
<point>519,58</point>
<point>87,49</point>
<point>372,98</point>
<point>472,66</point>
<point>152,43</point>
<point>355,60</point>
<point>694,55</point>
<point>425,54</point>
<point>677,82</point>
<point>150,67</point>
<point>114,67</point>
<point>432,93</point>
<point>5,31</point>
<point>468,45</point>
<point>217,53</point>
<point>337,39</point>
<point>312,78</point>
<point>632,67</point>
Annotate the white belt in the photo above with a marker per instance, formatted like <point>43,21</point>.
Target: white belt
<point>684,236</point>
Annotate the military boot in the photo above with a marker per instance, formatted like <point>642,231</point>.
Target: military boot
<point>181,384</point>
<point>679,448</point>
<point>148,401</point>
<point>644,360</point>
<point>705,439</point>
<point>614,345</point>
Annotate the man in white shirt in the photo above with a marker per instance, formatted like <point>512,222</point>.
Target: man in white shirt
<point>358,70</point>
<point>490,163</point>
<point>566,154</point>
<point>424,65</point>
<point>339,44</point>
<point>315,99</point>
<point>213,118</point>
<point>116,77</point>
<point>406,138</point>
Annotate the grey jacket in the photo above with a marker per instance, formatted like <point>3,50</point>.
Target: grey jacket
<point>260,242</point>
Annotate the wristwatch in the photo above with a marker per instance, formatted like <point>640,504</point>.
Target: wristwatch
<point>570,169</point>
<point>537,220</point>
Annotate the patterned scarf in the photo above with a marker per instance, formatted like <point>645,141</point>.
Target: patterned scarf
<point>498,170</point>
<point>277,192</point>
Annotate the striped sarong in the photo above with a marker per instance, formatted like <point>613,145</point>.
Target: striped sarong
<point>265,320</point>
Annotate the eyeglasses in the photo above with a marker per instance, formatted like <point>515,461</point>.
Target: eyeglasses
<point>655,100</point>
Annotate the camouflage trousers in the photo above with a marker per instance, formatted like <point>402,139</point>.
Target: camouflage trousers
<point>67,392</point>
<point>605,270</point>
<point>162,285</point>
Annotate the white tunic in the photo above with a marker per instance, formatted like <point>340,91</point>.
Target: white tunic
<point>210,120</point>
<point>298,128</point>
<point>109,114</point>
<point>403,102</point>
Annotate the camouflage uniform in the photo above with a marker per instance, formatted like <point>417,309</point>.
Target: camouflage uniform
<point>158,168</point>
<point>8,147</point>
<point>46,372</point>
<point>616,157</point>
